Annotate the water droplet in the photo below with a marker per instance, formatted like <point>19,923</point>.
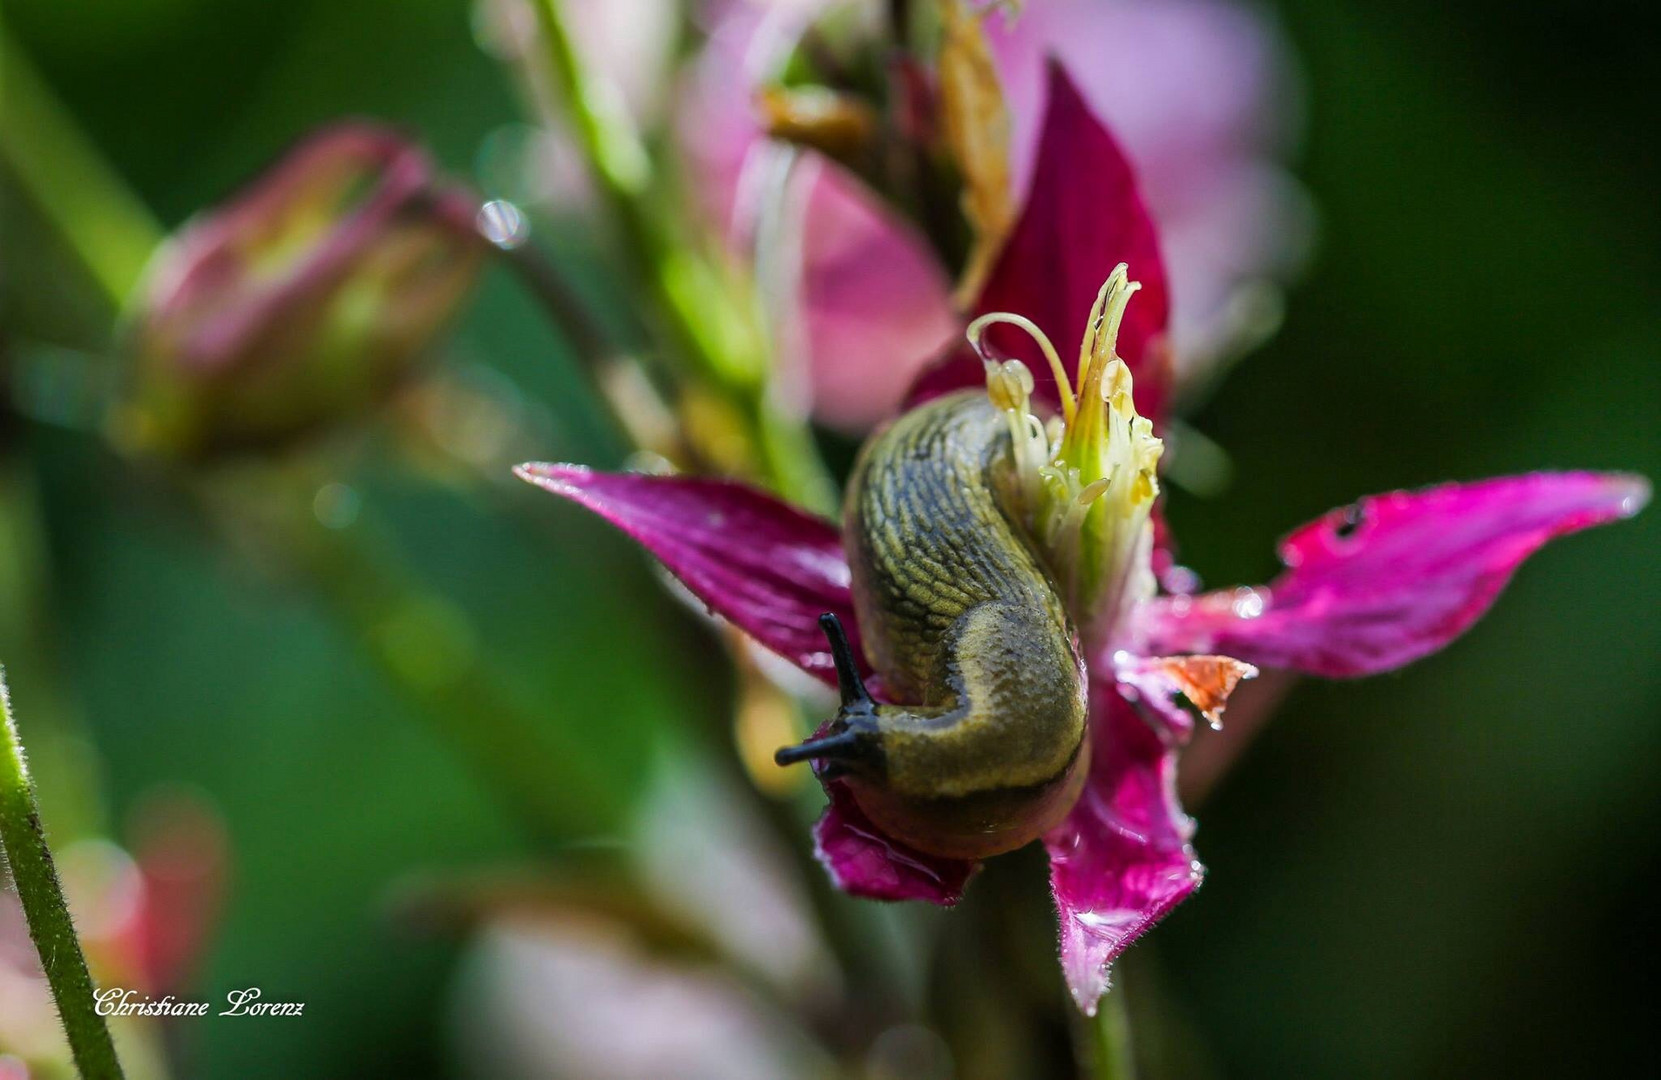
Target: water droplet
<point>1181,580</point>
<point>1351,520</point>
<point>335,506</point>
<point>911,1051</point>
<point>503,224</point>
<point>1248,603</point>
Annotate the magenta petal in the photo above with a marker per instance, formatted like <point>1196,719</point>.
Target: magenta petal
<point>1392,578</point>
<point>768,568</point>
<point>1083,216</point>
<point>864,862</point>
<point>1121,860</point>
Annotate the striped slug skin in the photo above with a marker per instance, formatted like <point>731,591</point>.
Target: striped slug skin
<point>986,745</point>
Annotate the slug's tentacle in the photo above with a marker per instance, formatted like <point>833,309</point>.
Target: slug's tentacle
<point>849,736</point>
<point>848,682</point>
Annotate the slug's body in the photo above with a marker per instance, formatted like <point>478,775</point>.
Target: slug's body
<point>986,745</point>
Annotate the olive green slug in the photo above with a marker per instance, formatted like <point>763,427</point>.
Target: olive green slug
<point>985,746</point>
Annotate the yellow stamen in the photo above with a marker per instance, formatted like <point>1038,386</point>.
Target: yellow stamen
<point>1088,479</point>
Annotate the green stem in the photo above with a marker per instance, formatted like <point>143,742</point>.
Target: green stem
<point>423,645</point>
<point>24,843</point>
<point>697,316</point>
<point>63,175</point>
<point>1108,1042</point>
<point>427,650</point>
<point>59,743</point>
<point>630,417</point>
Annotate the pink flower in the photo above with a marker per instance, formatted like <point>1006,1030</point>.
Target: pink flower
<point>1195,88</point>
<point>1366,589</point>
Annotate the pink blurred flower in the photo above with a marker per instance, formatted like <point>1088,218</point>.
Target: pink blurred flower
<point>588,1000</point>
<point>1197,90</point>
<point>1367,588</point>
<point>143,918</point>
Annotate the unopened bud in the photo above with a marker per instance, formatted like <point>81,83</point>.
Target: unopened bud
<point>301,301</point>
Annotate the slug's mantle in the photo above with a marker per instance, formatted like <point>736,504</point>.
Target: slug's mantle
<point>1367,588</point>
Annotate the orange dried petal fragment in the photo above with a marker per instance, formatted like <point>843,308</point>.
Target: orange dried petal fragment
<point>1207,681</point>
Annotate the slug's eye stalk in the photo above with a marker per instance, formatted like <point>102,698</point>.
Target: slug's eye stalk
<point>848,681</point>
<point>849,737</point>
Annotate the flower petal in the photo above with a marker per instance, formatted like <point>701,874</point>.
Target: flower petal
<point>864,862</point>
<point>768,568</point>
<point>1083,216</point>
<point>1203,99</point>
<point>1121,860</point>
<point>1392,578</point>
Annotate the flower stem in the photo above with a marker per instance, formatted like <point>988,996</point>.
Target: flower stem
<point>423,645</point>
<point>24,843</point>
<point>695,316</point>
<point>1107,1040</point>
<point>619,382</point>
<point>426,649</point>
<point>62,174</point>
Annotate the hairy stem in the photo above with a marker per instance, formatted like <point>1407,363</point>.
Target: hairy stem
<point>30,860</point>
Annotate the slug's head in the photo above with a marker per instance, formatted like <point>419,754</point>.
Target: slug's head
<point>850,741</point>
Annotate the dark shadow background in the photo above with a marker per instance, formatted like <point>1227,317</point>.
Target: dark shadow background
<point>1450,871</point>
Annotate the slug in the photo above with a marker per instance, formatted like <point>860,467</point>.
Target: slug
<point>985,746</point>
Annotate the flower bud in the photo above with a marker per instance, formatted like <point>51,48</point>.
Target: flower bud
<point>299,302</point>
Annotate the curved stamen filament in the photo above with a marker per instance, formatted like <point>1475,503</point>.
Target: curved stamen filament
<point>977,330</point>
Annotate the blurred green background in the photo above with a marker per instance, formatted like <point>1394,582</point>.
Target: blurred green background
<point>1448,871</point>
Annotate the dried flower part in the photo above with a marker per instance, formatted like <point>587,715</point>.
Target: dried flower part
<point>302,300</point>
<point>977,134</point>
<point>838,125</point>
<point>1206,681</point>
<point>1087,481</point>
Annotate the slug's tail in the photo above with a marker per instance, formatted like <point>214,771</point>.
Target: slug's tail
<point>850,733</point>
